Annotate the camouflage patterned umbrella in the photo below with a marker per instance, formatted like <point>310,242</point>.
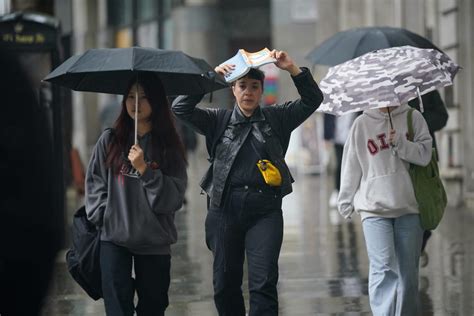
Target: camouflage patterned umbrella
<point>382,78</point>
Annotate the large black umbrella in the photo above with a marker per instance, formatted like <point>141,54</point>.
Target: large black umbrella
<point>352,43</point>
<point>109,70</point>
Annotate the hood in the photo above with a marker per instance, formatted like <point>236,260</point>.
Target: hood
<point>379,115</point>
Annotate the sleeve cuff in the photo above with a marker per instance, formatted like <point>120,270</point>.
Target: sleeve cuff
<point>149,174</point>
<point>304,72</point>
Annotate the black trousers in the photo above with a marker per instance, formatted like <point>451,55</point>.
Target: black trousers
<point>152,280</point>
<point>251,224</point>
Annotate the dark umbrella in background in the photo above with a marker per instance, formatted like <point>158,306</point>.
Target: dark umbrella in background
<point>352,43</point>
<point>110,70</point>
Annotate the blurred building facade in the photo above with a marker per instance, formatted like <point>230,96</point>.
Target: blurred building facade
<point>215,29</point>
<point>212,30</point>
<point>447,23</point>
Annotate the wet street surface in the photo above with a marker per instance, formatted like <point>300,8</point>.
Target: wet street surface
<point>323,261</point>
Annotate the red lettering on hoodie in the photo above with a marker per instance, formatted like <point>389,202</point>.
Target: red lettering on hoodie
<point>381,138</point>
<point>372,147</point>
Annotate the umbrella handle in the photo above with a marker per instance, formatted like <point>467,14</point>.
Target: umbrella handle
<point>390,117</point>
<point>136,113</point>
<point>420,100</point>
<point>213,76</point>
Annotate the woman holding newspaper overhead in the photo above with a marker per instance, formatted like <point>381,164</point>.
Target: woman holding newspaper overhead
<point>246,181</point>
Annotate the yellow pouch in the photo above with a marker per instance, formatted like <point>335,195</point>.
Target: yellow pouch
<point>270,173</point>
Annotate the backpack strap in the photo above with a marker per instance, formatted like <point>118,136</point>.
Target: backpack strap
<point>411,134</point>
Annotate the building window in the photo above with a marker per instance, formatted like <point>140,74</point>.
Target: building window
<point>147,10</point>
<point>119,12</point>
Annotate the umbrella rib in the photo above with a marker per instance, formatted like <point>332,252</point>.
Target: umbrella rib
<point>358,43</point>
<point>329,48</point>
<point>77,61</point>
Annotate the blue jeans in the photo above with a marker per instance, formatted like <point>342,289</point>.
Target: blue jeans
<point>152,280</point>
<point>251,224</point>
<point>393,246</point>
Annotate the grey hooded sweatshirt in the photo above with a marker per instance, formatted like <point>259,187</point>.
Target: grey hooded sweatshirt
<point>134,212</point>
<point>374,178</point>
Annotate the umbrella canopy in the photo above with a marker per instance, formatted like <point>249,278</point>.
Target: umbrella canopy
<point>355,42</point>
<point>387,77</point>
<point>109,70</point>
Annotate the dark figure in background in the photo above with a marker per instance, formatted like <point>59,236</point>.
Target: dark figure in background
<point>132,193</point>
<point>109,113</point>
<point>336,130</point>
<point>29,236</point>
<point>436,116</point>
<point>244,214</point>
<point>188,136</point>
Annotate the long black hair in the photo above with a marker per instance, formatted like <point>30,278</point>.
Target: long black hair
<point>167,148</point>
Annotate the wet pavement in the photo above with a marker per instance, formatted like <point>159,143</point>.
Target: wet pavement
<point>323,261</point>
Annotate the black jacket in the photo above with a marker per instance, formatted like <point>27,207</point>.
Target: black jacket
<point>272,126</point>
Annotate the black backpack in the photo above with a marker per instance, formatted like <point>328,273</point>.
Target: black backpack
<point>83,258</point>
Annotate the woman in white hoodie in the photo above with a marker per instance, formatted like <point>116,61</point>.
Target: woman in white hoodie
<point>376,184</point>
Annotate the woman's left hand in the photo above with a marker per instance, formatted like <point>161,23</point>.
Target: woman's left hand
<point>285,62</point>
<point>137,158</point>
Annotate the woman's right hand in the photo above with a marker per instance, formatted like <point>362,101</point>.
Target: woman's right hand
<point>224,69</point>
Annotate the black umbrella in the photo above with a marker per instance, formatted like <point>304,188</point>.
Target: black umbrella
<point>349,44</point>
<point>109,70</point>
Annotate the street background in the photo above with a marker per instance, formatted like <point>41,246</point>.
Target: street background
<point>323,263</point>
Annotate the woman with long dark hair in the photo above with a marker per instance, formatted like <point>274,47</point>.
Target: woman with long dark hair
<point>134,185</point>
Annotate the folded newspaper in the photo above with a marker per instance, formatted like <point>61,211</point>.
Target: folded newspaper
<point>244,61</point>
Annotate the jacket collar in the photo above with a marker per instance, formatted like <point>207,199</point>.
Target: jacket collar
<point>239,118</point>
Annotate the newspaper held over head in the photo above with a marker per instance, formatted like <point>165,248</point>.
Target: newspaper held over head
<point>244,61</point>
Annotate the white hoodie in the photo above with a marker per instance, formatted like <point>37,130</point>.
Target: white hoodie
<point>374,177</point>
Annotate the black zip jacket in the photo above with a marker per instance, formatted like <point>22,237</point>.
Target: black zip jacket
<point>271,125</point>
